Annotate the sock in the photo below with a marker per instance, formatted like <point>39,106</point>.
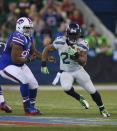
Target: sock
<point>72,93</point>
<point>24,89</point>
<point>32,96</point>
<point>1,96</point>
<point>97,98</point>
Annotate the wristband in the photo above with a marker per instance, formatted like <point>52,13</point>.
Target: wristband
<point>43,64</point>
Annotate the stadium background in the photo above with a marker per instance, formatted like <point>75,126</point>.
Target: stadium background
<point>50,18</point>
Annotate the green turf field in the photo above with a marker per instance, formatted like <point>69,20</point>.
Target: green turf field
<point>57,104</point>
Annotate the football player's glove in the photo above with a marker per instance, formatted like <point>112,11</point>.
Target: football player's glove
<point>45,70</point>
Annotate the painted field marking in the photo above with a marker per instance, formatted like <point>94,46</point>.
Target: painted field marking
<point>54,121</point>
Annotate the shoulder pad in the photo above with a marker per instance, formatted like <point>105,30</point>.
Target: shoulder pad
<point>18,38</point>
<point>19,35</point>
<point>83,44</point>
<point>60,40</point>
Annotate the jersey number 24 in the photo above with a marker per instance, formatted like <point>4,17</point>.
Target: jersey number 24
<point>65,58</point>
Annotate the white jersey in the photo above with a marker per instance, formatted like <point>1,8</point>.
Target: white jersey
<point>66,63</point>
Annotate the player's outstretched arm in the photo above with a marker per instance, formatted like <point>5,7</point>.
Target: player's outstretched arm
<point>38,54</point>
<point>45,57</point>
<point>46,50</point>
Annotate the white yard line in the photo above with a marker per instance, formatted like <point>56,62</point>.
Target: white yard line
<point>50,87</point>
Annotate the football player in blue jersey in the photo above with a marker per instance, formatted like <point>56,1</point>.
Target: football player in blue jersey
<point>3,105</point>
<point>19,50</point>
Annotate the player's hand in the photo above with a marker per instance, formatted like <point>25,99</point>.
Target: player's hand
<point>71,51</point>
<point>45,70</point>
<point>51,59</point>
<point>34,56</point>
<point>31,58</point>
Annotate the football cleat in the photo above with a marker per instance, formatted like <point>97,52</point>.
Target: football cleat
<point>84,103</point>
<point>104,113</point>
<point>5,107</point>
<point>32,111</point>
<point>29,109</point>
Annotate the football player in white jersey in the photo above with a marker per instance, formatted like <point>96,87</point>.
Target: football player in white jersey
<point>73,56</point>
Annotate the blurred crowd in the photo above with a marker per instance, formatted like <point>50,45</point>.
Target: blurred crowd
<point>50,18</point>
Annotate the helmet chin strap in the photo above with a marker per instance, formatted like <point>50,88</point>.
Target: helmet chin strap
<point>26,34</point>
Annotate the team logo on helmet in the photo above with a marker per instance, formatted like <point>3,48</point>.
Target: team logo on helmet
<point>73,33</point>
<point>20,21</point>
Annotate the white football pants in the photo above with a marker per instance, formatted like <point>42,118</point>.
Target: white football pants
<point>80,76</point>
<point>22,75</point>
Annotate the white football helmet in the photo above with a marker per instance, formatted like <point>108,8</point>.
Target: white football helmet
<point>24,25</point>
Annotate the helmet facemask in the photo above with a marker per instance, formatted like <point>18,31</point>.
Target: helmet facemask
<point>27,31</point>
<point>73,33</point>
<point>72,38</point>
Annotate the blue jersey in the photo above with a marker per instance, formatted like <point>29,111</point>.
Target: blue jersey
<point>18,39</point>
